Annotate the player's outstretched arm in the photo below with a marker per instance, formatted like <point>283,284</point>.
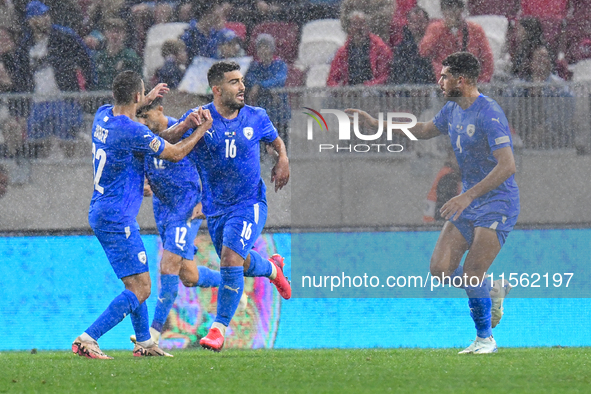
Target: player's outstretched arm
<point>280,172</point>
<point>159,90</point>
<point>176,152</point>
<point>504,169</point>
<point>422,130</point>
<point>175,132</point>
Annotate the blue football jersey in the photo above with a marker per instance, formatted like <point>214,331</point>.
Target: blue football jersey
<point>119,146</point>
<point>227,158</point>
<point>175,186</point>
<point>475,133</point>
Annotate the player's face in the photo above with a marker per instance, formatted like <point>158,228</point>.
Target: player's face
<point>232,90</point>
<point>449,84</point>
<point>151,119</point>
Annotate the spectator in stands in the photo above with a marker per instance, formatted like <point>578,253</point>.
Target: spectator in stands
<point>202,38</point>
<point>116,57</point>
<point>454,34</point>
<point>378,14</point>
<point>11,130</point>
<point>265,73</point>
<point>364,59</point>
<point>65,13</point>
<point>529,35</point>
<point>230,46</point>
<point>408,66</point>
<point>447,184</point>
<point>52,59</point>
<point>171,73</point>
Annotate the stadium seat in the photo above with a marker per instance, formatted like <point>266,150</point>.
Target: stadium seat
<point>238,28</point>
<point>507,8</point>
<point>320,41</point>
<point>286,39</point>
<point>295,77</point>
<point>581,70</point>
<point>157,35</point>
<point>317,75</point>
<point>495,28</point>
<point>547,9</point>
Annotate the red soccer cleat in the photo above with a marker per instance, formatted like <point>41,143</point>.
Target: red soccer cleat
<point>214,340</point>
<point>281,282</point>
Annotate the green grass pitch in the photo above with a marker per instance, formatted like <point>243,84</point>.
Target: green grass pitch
<point>535,370</point>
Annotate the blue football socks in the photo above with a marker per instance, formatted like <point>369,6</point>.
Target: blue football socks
<point>208,278</point>
<point>480,308</point>
<point>258,266</point>
<point>169,289</point>
<point>229,293</point>
<point>140,320</point>
<point>121,306</point>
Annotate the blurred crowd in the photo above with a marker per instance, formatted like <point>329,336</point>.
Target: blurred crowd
<point>50,47</point>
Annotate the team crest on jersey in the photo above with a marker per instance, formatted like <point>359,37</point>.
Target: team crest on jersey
<point>155,144</point>
<point>142,257</point>
<point>248,132</point>
<point>470,130</point>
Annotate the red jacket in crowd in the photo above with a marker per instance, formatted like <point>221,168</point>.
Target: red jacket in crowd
<point>380,56</point>
<point>440,42</point>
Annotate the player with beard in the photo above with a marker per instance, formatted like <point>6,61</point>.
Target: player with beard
<point>479,219</point>
<point>234,194</point>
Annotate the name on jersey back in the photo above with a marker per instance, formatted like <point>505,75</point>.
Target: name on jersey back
<point>101,134</point>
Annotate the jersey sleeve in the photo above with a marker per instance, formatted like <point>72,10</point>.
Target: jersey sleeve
<point>141,140</point>
<point>268,132</point>
<point>495,125</point>
<point>441,119</point>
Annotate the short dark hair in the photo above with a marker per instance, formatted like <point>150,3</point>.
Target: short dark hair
<point>157,102</point>
<point>215,75</point>
<point>464,64</point>
<point>172,47</point>
<point>447,4</point>
<point>125,85</point>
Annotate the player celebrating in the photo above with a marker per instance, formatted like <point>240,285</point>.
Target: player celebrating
<point>177,210</point>
<point>479,219</point>
<point>118,147</point>
<point>234,195</point>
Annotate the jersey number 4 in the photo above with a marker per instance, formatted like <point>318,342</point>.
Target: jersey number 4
<point>101,156</point>
<point>230,148</point>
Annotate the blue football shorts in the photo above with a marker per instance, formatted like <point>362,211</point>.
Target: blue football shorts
<point>238,229</point>
<point>125,251</point>
<point>499,222</point>
<point>178,236</point>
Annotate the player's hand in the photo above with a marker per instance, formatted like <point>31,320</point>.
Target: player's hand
<point>194,119</point>
<point>198,212</point>
<point>147,189</point>
<point>206,123</point>
<point>455,206</point>
<point>280,173</point>
<point>364,119</point>
<point>159,90</point>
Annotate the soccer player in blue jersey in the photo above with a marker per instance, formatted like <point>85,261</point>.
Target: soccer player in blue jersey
<point>234,194</point>
<point>177,210</point>
<point>479,219</point>
<point>119,146</point>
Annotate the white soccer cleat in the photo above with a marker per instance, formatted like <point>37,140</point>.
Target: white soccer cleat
<point>153,333</point>
<point>243,303</point>
<point>481,346</point>
<point>497,295</point>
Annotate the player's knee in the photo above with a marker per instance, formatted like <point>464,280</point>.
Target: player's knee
<point>187,282</point>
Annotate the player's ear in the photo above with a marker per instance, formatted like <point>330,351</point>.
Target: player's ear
<point>215,89</point>
<point>137,98</point>
<point>161,108</point>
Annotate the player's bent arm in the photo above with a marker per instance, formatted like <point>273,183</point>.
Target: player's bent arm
<point>500,173</point>
<point>175,132</point>
<point>280,172</point>
<point>176,152</point>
